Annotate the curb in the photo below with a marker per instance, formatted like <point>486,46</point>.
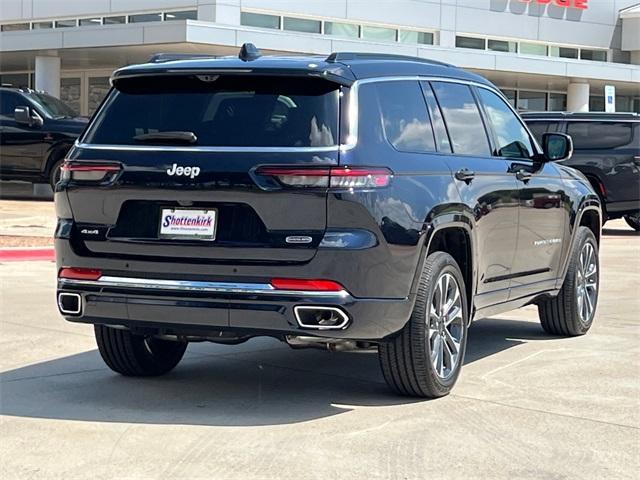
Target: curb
<point>27,254</point>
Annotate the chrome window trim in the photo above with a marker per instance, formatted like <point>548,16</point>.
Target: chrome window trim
<point>352,115</point>
<point>175,148</point>
<point>197,286</point>
<point>352,119</point>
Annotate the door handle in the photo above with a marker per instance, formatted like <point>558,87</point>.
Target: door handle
<point>465,175</point>
<point>523,175</point>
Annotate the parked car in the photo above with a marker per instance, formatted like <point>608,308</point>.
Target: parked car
<point>36,131</point>
<point>607,150</point>
<point>346,202</point>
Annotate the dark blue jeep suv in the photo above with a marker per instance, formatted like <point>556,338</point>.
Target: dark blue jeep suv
<point>354,201</point>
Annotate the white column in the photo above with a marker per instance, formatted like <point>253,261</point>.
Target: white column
<point>226,12</point>
<point>578,97</point>
<point>48,75</point>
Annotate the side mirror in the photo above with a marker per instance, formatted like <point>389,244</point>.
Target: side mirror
<point>557,146</point>
<point>27,116</point>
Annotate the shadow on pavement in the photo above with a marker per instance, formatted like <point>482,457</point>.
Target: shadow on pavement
<point>262,382</point>
<point>617,232</point>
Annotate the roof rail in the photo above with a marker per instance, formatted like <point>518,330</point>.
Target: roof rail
<point>168,57</point>
<point>348,56</point>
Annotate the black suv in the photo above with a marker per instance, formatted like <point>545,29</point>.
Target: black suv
<point>354,201</point>
<point>36,132</point>
<point>607,150</point>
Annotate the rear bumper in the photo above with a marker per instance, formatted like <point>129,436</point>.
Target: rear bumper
<point>175,304</point>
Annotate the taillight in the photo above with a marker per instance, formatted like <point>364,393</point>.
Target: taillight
<point>333,177</point>
<point>306,285</point>
<point>72,273</point>
<point>88,172</point>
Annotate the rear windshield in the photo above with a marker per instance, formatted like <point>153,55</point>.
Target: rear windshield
<point>225,111</point>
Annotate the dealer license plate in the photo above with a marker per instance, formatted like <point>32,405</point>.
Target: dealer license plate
<point>188,224</point>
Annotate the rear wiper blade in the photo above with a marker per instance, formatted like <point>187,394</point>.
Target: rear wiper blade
<point>173,137</point>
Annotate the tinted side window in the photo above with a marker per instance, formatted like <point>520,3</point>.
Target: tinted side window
<point>600,135</point>
<point>8,103</point>
<point>405,120</point>
<point>462,117</point>
<point>512,138</point>
<point>539,128</point>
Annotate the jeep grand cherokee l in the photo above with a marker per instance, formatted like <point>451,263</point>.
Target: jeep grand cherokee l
<point>345,202</point>
<point>606,150</point>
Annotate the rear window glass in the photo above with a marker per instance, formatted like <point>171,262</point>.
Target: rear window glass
<point>404,115</point>
<point>600,135</point>
<point>224,111</point>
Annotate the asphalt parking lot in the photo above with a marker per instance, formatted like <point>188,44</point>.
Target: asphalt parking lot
<point>526,405</point>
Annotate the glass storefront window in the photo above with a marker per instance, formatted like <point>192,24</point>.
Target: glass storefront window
<point>41,25</point>
<point>410,36</point>
<point>511,97</point>
<point>596,103</point>
<point>533,48</point>
<point>15,79</point>
<point>502,46</point>
<point>532,101</point>
<point>89,22</point>
<point>593,55</point>
<point>98,89</point>
<point>13,27</point>
<point>379,33</point>
<point>71,92</point>
<point>183,15</point>
<point>259,20</point>
<point>118,19</point>
<point>65,23</point>
<point>563,52</point>
<point>470,42</point>
<point>145,17</point>
<point>338,29</point>
<point>301,25</point>
<point>557,102</point>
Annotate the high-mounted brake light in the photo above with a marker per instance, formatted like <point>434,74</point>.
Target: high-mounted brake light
<point>88,172</point>
<point>72,273</point>
<point>333,177</point>
<point>306,285</point>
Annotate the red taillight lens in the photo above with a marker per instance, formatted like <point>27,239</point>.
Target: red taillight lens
<point>334,177</point>
<point>86,172</point>
<point>306,285</point>
<point>79,273</point>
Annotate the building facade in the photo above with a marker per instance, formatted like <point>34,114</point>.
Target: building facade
<point>544,54</point>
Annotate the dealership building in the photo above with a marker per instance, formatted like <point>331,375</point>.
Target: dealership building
<point>543,54</point>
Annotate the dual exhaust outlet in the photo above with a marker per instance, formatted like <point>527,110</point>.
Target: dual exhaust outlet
<point>311,317</point>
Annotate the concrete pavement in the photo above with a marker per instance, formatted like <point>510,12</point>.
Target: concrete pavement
<point>526,405</point>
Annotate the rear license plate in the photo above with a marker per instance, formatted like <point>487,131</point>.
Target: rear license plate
<point>188,224</point>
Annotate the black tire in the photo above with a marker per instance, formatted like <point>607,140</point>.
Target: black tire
<point>406,358</point>
<point>137,355</point>
<point>561,315</point>
<point>633,221</point>
<point>54,173</point>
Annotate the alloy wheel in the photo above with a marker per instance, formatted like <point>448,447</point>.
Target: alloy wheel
<point>587,283</point>
<point>445,322</point>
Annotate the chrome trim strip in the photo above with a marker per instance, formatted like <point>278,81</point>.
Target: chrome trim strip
<point>197,286</point>
<point>174,148</point>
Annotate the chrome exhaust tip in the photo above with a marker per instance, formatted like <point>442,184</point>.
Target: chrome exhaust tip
<point>321,318</point>
<point>70,303</point>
